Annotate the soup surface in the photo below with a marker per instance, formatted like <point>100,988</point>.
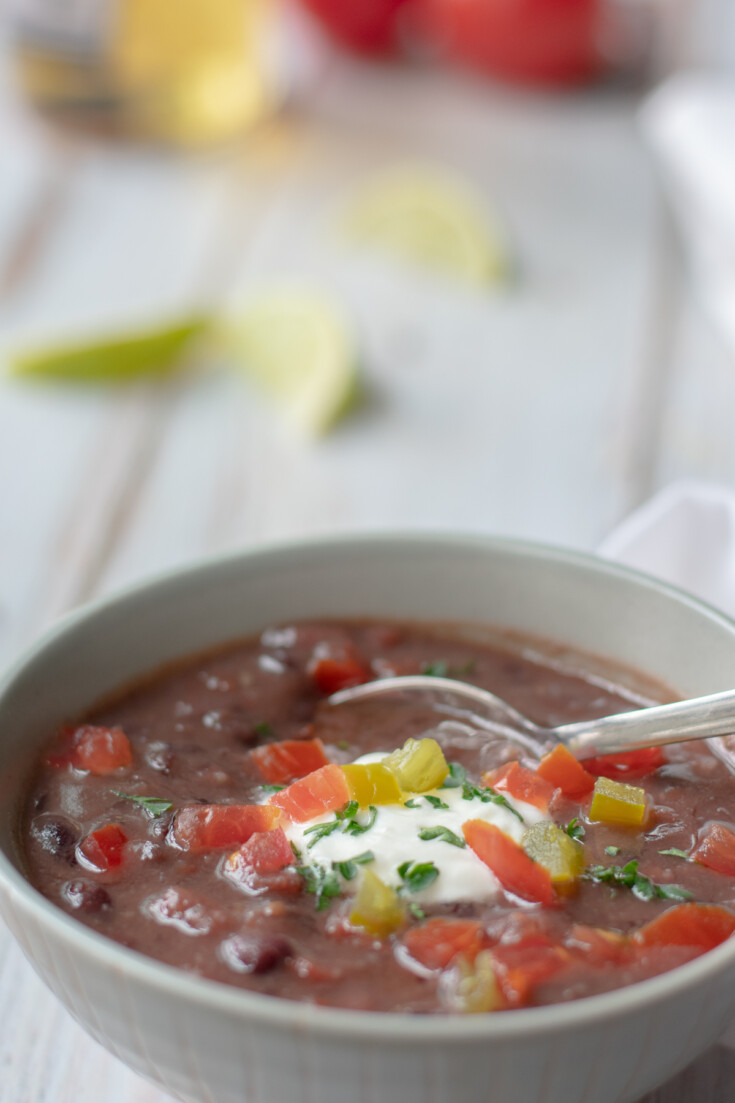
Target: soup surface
<point>384,855</point>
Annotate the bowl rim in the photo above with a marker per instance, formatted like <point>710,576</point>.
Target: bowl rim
<point>387,1027</point>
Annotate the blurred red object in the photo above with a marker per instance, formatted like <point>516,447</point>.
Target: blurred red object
<point>530,41</point>
<point>364,26</point>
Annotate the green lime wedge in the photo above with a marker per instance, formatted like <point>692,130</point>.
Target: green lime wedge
<point>114,358</point>
<point>296,345</point>
<point>431,219</point>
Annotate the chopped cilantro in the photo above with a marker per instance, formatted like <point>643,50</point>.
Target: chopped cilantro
<point>323,883</point>
<point>154,806</point>
<point>442,833</point>
<point>674,852</point>
<point>628,877</point>
<point>296,852</point>
<point>348,869</point>
<point>263,729</point>
<point>437,669</point>
<point>267,787</point>
<point>354,827</point>
<point>457,776</point>
<point>612,850</point>
<point>417,875</point>
<point>344,745</point>
<point>488,796</point>
<point>575,829</point>
<point>321,830</point>
<point>435,802</point>
<point>411,803</point>
<point>416,911</point>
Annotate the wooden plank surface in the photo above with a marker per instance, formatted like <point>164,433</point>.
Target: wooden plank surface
<point>513,411</point>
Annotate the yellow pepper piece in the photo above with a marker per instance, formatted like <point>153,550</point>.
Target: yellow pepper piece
<point>550,845</point>
<point>475,988</point>
<point>419,765</point>
<point>372,783</point>
<point>615,802</point>
<point>377,907</point>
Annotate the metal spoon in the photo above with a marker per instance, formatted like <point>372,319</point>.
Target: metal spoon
<point>698,718</point>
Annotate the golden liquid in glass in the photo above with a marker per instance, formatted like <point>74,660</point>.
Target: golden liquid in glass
<point>188,72</point>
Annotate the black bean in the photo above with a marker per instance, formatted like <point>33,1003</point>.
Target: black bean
<point>251,953</point>
<point>86,896</point>
<point>57,836</point>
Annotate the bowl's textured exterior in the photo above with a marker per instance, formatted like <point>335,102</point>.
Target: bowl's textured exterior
<point>209,1042</point>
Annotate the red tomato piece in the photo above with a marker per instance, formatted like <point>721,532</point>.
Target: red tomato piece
<point>104,847</point>
<point>520,968</point>
<point>631,764</point>
<point>537,41</point>
<point>562,770</point>
<point>522,784</point>
<point>200,827</point>
<point>336,665</point>
<point>702,926</point>
<point>94,749</point>
<point>511,865</point>
<point>437,941</point>
<point>290,759</point>
<point>596,946</point>
<point>325,790</point>
<point>264,852</point>
<point>365,26</point>
<point>716,849</point>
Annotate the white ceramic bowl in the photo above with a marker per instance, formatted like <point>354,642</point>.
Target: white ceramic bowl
<point>206,1041</point>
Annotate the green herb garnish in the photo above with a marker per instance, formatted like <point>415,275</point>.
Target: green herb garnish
<point>575,829</point>
<point>323,883</point>
<point>674,852</point>
<point>354,827</point>
<point>438,669</point>
<point>435,802</point>
<point>488,796</point>
<point>417,875</point>
<point>348,869</point>
<point>411,803</point>
<point>612,850</point>
<point>321,830</point>
<point>628,877</point>
<point>267,787</point>
<point>344,745</point>
<point>457,776</point>
<point>416,911</point>
<point>442,833</point>
<point>263,729</point>
<point>154,806</point>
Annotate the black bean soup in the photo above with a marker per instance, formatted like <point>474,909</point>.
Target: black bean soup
<point>206,818</point>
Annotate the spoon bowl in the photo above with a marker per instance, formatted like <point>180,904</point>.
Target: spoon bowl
<point>655,726</point>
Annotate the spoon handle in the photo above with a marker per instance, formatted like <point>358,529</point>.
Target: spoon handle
<point>698,718</point>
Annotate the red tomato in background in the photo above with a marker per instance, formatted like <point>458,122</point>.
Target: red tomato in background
<point>364,26</point>
<point>533,41</point>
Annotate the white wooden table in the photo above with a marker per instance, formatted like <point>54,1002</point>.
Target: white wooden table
<point>545,410</point>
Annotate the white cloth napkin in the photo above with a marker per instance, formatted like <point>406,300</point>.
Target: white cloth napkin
<point>684,535</point>
<point>689,124</point>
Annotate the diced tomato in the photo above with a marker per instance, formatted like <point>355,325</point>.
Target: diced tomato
<point>703,926</point>
<point>520,968</point>
<point>94,749</point>
<point>437,941</point>
<point>290,759</point>
<point>336,667</point>
<point>716,849</point>
<point>200,827</point>
<point>510,864</point>
<point>365,26</point>
<point>562,770</point>
<point>264,852</point>
<point>522,784</point>
<point>104,847</point>
<point>325,790</point>
<point>597,946</point>
<point>620,767</point>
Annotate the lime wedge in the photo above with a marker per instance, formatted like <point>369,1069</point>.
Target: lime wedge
<point>114,358</point>
<point>296,345</point>
<point>433,220</point>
